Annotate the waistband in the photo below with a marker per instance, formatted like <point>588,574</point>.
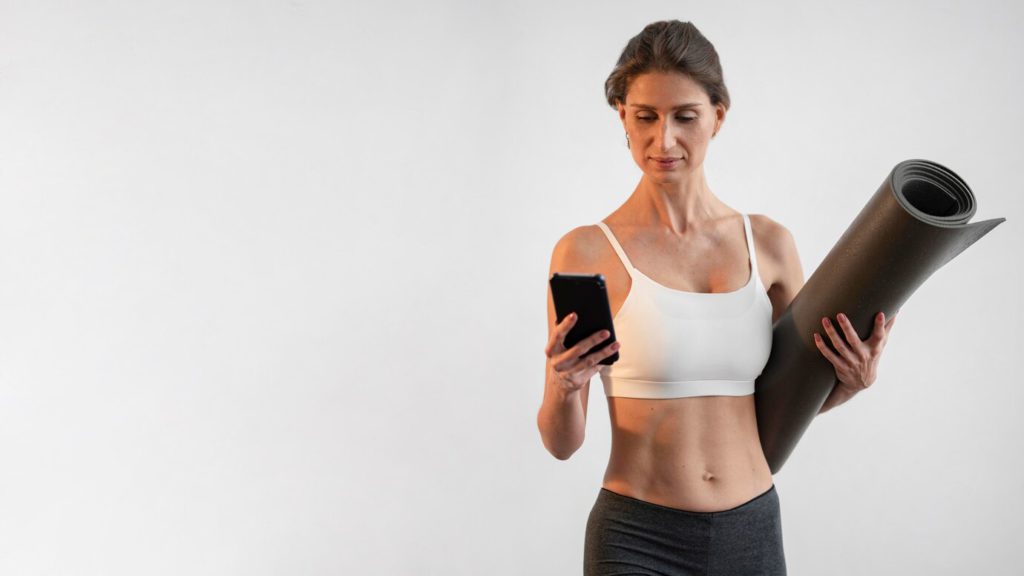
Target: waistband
<point>762,499</point>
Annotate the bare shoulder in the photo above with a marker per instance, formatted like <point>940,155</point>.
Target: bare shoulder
<point>578,250</point>
<point>774,239</point>
<point>777,247</point>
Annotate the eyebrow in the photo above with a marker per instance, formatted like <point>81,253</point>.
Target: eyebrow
<point>649,107</point>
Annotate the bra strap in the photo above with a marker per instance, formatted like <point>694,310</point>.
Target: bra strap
<point>618,249</point>
<point>750,245</point>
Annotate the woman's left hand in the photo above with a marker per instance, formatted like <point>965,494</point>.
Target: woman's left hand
<point>857,360</point>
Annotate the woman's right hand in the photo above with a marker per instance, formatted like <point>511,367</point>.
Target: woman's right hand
<point>566,366</point>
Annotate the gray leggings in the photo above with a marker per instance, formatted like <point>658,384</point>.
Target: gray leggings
<point>626,535</point>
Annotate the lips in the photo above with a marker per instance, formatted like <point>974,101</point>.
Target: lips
<point>666,163</point>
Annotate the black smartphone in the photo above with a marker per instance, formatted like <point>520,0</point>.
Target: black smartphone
<point>587,296</point>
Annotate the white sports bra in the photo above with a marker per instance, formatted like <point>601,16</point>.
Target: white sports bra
<point>677,343</point>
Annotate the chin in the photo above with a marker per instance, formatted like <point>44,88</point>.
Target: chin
<point>667,176</point>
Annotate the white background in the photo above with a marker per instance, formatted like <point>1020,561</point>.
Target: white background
<point>273,277</point>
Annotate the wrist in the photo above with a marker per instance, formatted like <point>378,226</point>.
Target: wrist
<point>559,392</point>
<point>565,395</point>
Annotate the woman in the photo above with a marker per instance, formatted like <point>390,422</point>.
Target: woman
<point>687,489</point>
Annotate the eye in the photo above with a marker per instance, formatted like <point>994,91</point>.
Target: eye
<point>686,118</point>
<point>645,118</point>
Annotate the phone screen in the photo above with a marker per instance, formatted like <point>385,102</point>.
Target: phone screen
<point>587,296</point>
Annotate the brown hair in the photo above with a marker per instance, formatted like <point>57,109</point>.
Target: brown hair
<point>668,46</point>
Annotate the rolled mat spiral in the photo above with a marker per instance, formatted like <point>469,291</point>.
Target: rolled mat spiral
<point>915,223</point>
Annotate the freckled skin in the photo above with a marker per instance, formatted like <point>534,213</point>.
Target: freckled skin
<point>699,453</point>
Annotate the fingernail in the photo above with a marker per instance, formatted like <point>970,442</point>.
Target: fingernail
<point>842,316</point>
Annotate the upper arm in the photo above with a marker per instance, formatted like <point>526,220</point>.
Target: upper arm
<point>574,253</point>
<point>787,272</point>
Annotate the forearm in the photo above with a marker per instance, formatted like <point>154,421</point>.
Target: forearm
<point>838,396</point>
<point>561,421</point>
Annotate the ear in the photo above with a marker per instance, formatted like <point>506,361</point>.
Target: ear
<point>622,112</point>
<point>720,111</point>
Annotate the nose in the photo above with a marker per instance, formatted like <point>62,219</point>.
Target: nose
<point>666,135</point>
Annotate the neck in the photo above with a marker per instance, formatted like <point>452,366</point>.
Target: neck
<point>678,203</point>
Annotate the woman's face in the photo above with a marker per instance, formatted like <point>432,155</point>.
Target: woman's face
<point>670,120</point>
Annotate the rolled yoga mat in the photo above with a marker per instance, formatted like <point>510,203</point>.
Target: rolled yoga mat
<point>915,223</point>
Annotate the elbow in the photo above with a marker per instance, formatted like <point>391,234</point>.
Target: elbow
<point>560,450</point>
<point>561,454</point>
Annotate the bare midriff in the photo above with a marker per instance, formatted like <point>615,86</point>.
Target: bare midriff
<point>700,454</point>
